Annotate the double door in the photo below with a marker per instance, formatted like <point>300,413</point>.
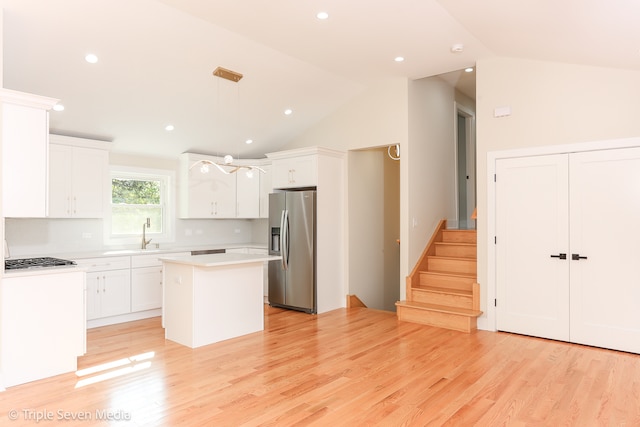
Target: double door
<point>568,259</point>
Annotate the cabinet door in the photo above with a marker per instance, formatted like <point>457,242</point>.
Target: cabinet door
<point>265,188</point>
<point>59,181</point>
<point>211,195</point>
<point>295,172</point>
<point>532,225</point>
<point>88,176</point>
<point>24,161</point>
<point>93,295</point>
<point>146,288</point>
<point>248,194</point>
<point>115,292</point>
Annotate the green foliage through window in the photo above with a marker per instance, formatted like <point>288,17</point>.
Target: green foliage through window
<point>133,200</point>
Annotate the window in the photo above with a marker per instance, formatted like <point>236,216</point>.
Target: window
<point>135,196</point>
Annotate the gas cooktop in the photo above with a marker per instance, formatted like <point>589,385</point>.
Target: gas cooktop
<point>42,262</point>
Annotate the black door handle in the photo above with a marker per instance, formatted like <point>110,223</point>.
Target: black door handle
<point>561,256</point>
<point>577,257</point>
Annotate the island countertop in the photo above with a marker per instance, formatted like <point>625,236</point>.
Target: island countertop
<point>217,260</point>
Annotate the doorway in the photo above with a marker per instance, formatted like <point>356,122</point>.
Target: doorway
<point>374,227</point>
<point>465,149</point>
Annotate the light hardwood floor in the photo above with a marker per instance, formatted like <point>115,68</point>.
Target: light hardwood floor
<point>352,367</point>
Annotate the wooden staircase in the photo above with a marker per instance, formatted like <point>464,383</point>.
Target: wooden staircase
<point>442,290</point>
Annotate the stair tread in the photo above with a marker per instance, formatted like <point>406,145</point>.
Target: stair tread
<point>451,258</point>
<point>444,273</point>
<point>442,290</point>
<point>440,308</point>
<point>455,243</point>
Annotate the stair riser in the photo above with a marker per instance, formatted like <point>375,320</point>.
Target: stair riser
<point>462,251</point>
<point>459,236</point>
<point>450,282</point>
<point>458,301</point>
<point>452,265</point>
<point>433,318</point>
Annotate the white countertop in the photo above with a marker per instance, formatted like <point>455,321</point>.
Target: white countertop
<point>217,260</point>
<point>137,251</point>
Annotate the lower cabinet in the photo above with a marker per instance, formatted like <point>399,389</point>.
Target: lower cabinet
<point>146,281</point>
<point>42,325</point>
<point>108,286</point>
<point>256,251</point>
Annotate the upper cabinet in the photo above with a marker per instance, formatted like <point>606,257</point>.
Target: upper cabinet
<point>207,192</point>
<point>25,153</point>
<point>78,177</point>
<point>296,170</point>
<point>266,187</point>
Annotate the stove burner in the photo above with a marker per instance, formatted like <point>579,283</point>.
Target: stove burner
<point>15,264</point>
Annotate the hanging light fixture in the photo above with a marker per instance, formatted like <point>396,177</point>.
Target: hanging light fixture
<point>227,166</point>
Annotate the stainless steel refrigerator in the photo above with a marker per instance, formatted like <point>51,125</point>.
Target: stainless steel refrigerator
<point>292,228</point>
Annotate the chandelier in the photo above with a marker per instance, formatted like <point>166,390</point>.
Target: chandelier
<point>227,166</point>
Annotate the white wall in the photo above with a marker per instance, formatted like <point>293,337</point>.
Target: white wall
<point>427,167</point>
<point>552,104</point>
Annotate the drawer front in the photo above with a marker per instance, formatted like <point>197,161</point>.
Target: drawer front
<point>105,264</point>
<point>152,260</point>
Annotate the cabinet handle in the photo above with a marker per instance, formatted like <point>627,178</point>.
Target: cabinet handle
<point>68,205</point>
<point>577,257</point>
<point>561,256</point>
<point>98,287</point>
<point>75,205</point>
<point>104,283</point>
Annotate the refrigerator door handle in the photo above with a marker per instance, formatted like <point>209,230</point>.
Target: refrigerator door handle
<point>283,239</point>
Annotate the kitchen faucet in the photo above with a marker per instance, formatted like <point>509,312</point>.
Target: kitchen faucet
<point>145,225</point>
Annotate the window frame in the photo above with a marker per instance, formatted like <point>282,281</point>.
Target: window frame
<point>167,201</point>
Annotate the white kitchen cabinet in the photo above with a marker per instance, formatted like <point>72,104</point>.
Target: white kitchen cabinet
<point>266,187</point>
<point>25,153</point>
<point>77,179</point>
<point>248,194</point>
<point>108,286</point>
<point>42,324</point>
<point>265,270</point>
<point>146,281</point>
<point>205,194</point>
<point>295,172</point>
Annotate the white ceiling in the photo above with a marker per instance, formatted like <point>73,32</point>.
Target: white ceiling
<point>156,59</point>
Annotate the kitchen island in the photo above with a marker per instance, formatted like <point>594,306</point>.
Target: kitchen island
<point>210,298</point>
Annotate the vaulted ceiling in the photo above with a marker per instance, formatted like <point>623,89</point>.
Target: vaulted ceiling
<point>156,58</point>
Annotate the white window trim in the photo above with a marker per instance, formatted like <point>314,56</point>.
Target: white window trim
<point>169,211</point>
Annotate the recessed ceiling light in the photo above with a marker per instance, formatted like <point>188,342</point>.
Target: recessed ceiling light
<point>249,141</point>
<point>399,58</point>
<point>58,107</point>
<point>288,111</point>
<point>468,69</point>
<point>322,15</point>
<point>169,128</point>
<point>91,58</point>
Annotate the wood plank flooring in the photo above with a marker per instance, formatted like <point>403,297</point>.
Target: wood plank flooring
<point>348,367</point>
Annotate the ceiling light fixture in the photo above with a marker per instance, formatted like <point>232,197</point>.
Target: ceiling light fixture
<point>322,15</point>
<point>468,69</point>
<point>399,58</point>
<point>227,166</point>
<point>288,112</point>
<point>58,107</point>
<point>169,128</point>
<point>91,58</point>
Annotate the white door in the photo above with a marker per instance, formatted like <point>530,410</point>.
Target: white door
<point>605,228</point>
<point>532,226</point>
